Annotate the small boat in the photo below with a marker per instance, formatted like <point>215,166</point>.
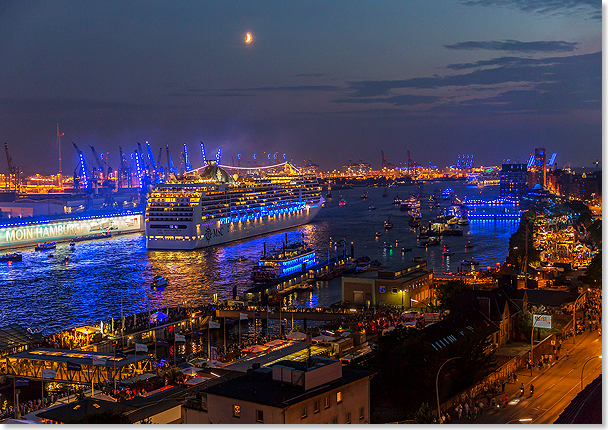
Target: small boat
<point>243,258</point>
<point>378,234</point>
<point>406,249</point>
<point>50,255</point>
<point>364,195</point>
<point>45,246</point>
<point>342,203</point>
<point>463,220</point>
<point>434,240</point>
<point>159,282</point>
<point>66,259</point>
<point>397,201</point>
<point>6,258</point>
<point>388,224</point>
<point>388,245</point>
<point>305,287</point>
<point>446,251</point>
<point>469,245</point>
<point>372,208</point>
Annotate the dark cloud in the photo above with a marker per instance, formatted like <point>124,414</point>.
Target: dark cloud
<point>552,7</point>
<point>312,75</point>
<point>516,46</point>
<point>64,104</point>
<point>247,92</point>
<point>399,100</point>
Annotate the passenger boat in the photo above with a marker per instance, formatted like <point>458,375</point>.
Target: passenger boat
<point>208,206</point>
<point>103,235</point>
<point>397,200</point>
<point>469,245</point>
<point>388,224</point>
<point>372,208</point>
<point>406,249</point>
<point>447,193</point>
<point>11,257</point>
<point>287,260</point>
<point>305,287</point>
<point>463,220</point>
<point>45,246</point>
<point>159,282</point>
<point>388,245</point>
<point>434,240</point>
<point>364,195</point>
<point>342,203</point>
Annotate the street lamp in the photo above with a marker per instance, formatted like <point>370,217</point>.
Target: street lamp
<point>574,318</point>
<point>413,300</point>
<point>583,369</point>
<point>437,386</point>
<point>402,293</point>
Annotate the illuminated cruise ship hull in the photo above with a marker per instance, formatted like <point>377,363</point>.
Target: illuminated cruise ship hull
<point>212,234</point>
<point>210,208</point>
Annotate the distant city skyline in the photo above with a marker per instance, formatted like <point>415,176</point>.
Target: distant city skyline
<point>324,81</point>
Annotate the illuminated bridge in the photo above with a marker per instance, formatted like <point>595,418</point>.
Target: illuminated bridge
<point>500,202</point>
<point>496,217</point>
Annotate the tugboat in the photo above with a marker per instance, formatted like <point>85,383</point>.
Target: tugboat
<point>45,246</point>
<point>6,258</point>
<point>159,282</point>
<point>388,224</point>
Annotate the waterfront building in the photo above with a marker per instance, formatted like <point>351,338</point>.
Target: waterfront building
<point>513,180</point>
<point>320,391</point>
<point>404,287</point>
<point>538,168</point>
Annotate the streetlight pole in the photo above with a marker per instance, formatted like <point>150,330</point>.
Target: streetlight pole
<point>437,386</point>
<point>532,345</point>
<point>574,318</point>
<point>583,369</point>
<point>402,293</point>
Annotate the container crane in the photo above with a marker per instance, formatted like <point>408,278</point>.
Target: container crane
<point>154,169</point>
<point>124,174</point>
<point>203,154</point>
<point>187,159</point>
<point>80,173</point>
<point>160,165</point>
<point>170,165</point>
<point>13,173</point>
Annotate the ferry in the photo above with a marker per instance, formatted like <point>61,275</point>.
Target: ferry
<point>287,260</point>
<point>6,258</point>
<point>159,282</point>
<point>45,246</point>
<point>207,206</point>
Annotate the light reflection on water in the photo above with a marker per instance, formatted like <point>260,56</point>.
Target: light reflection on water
<point>53,294</point>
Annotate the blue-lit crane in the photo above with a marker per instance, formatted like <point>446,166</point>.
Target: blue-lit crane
<point>161,171</point>
<point>187,164</point>
<point>154,169</point>
<point>218,156</point>
<point>203,154</point>
<point>124,174</point>
<point>80,173</point>
<point>170,165</point>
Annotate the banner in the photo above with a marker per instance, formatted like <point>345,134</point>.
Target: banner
<point>180,338</point>
<point>161,342</point>
<point>22,382</point>
<point>243,316</point>
<point>74,366</point>
<point>541,321</point>
<point>99,361</point>
<point>49,373</point>
<point>140,347</point>
<point>213,324</point>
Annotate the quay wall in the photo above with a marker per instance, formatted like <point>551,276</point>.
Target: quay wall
<point>26,233</point>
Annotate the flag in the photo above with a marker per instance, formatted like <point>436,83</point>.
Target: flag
<point>49,373</point>
<point>213,324</point>
<point>180,338</point>
<point>99,361</point>
<point>120,354</point>
<point>140,347</point>
<point>161,342</point>
<point>74,366</point>
<point>243,316</point>
<point>22,382</point>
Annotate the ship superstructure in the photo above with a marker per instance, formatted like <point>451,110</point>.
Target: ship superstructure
<point>208,206</point>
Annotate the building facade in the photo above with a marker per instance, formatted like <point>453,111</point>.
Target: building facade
<point>513,180</point>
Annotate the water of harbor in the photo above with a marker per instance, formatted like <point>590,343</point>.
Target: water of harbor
<point>106,277</point>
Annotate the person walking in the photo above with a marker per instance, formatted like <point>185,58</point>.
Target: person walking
<point>521,388</point>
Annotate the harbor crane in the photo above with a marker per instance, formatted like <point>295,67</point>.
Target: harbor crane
<point>80,173</point>
<point>160,165</point>
<point>13,173</point>
<point>203,154</point>
<point>170,165</point>
<point>187,164</point>
<point>153,163</point>
<point>124,174</point>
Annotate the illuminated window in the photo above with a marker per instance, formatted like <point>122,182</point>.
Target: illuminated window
<point>259,416</point>
<point>236,411</point>
<point>339,397</point>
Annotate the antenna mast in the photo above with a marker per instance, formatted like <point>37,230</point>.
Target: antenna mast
<point>59,178</point>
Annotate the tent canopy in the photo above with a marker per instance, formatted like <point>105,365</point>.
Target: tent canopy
<point>323,338</point>
<point>275,342</point>
<point>158,315</point>
<point>256,348</point>
<point>296,335</point>
<point>191,371</point>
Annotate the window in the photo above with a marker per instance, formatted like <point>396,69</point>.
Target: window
<point>259,416</point>
<point>317,406</point>
<point>327,402</point>
<point>382,289</point>
<point>304,413</point>
<point>348,418</point>
<point>236,411</point>
<point>339,397</point>
<point>395,290</point>
<point>361,413</point>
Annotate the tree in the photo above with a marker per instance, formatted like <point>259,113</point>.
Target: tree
<point>425,415</point>
<point>525,320</point>
<point>449,293</point>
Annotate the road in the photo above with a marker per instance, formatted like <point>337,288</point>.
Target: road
<point>554,388</point>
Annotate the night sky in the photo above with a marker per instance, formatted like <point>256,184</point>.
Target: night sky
<point>324,80</point>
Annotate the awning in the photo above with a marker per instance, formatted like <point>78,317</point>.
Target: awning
<point>296,335</point>
<point>323,338</point>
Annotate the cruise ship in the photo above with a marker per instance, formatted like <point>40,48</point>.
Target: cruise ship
<point>208,206</point>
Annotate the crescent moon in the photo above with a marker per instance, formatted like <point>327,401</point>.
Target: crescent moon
<point>248,38</point>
